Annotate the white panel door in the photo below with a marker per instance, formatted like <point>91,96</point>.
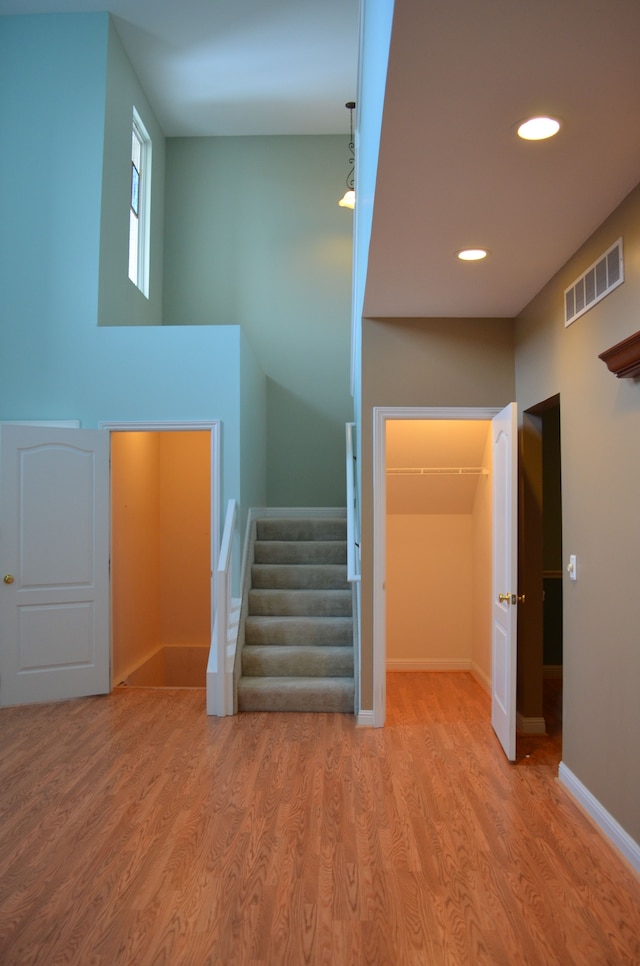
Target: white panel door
<point>505,576</point>
<point>54,564</point>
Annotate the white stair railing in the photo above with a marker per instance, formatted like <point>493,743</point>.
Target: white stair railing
<point>225,627</point>
<point>353,548</point>
<point>353,514</point>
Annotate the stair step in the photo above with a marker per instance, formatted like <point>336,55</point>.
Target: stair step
<point>300,551</point>
<point>296,694</point>
<point>287,631</point>
<point>272,660</point>
<point>292,528</point>
<point>328,603</point>
<point>298,634</point>
<point>299,576</point>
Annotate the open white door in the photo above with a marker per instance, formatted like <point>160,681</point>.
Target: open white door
<point>54,561</point>
<point>505,576</point>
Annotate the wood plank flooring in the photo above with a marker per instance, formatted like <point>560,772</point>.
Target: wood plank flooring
<point>136,830</point>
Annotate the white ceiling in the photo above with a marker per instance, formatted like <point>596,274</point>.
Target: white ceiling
<point>235,67</point>
<point>452,173</point>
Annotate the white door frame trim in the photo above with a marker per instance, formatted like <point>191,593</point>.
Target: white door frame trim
<point>380,416</point>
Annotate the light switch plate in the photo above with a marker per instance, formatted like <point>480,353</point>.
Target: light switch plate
<point>573,567</point>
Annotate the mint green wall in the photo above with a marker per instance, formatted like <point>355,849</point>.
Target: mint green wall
<point>55,361</point>
<point>254,236</point>
<point>52,92</point>
<point>120,302</point>
<point>254,241</point>
<point>253,429</point>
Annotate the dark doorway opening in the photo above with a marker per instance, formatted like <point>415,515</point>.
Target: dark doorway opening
<point>540,663</point>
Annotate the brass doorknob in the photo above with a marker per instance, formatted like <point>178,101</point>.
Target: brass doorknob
<point>9,578</point>
<point>504,598</point>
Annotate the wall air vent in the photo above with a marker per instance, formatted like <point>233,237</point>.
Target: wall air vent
<point>599,279</point>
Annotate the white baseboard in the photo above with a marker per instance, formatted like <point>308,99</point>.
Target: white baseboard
<point>364,719</point>
<point>530,726</point>
<point>612,830</point>
<point>428,664</point>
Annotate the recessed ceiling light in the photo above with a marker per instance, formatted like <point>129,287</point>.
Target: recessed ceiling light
<point>472,254</point>
<point>538,128</point>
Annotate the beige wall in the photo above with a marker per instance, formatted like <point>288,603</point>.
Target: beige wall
<point>429,591</point>
<point>422,362</point>
<point>600,439</point>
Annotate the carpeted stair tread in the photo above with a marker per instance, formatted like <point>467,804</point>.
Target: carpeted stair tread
<point>327,603</point>
<point>297,661</point>
<point>300,551</point>
<point>287,631</point>
<point>292,528</point>
<point>298,650</point>
<point>299,577</point>
<point>315,694</point>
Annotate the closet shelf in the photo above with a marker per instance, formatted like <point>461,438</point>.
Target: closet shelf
<point>623,359</point>
<point>436,471</point>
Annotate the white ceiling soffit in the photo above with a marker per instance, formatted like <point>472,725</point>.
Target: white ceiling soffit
<point>452,173</point>
<point>235,67</point>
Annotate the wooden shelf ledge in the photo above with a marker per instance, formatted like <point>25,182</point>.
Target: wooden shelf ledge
<point>624,358</point>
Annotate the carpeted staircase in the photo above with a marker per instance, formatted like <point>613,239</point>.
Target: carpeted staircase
<point>298,633</point>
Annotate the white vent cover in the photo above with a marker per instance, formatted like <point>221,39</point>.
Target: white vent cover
<point>599,279</point>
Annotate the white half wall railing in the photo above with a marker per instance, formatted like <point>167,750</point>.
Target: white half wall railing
<point>224,638</point>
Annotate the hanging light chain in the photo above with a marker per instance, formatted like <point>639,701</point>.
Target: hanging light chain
<point>350,105</point>
<point>349,199</point>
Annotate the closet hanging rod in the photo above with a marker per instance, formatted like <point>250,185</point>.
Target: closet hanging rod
<point>437,471</point>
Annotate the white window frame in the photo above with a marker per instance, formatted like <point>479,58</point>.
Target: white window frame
<point>139,242</point>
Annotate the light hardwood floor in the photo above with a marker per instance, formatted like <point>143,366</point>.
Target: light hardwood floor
<point>136,830</point>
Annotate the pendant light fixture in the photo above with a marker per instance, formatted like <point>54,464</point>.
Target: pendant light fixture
<point>349,198</point>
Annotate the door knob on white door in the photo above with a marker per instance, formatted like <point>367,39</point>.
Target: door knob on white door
<point>515,599</point>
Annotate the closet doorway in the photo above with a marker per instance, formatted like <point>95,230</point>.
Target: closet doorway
<point>498,566</point>
<point>540,661</point>
<point>164,545</point>
<point>438,518</point>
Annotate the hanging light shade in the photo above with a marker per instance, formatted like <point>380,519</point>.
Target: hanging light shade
<point>349,198</point>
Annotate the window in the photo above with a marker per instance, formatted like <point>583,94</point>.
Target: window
<point>139,203</point>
